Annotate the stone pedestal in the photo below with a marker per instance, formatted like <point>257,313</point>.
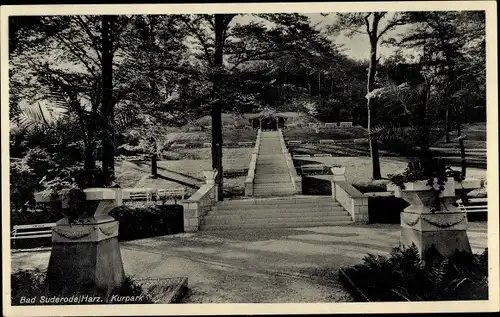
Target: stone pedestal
<point>426,223</point>
<point>86,254</point>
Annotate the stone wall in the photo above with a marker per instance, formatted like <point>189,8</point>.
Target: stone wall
<point>251,169</point>
<point>352,200</point>
<point>199,204</point>
<point>296,179</point>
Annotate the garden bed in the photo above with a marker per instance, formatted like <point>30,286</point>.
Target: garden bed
<point>314,135</point>
<point>28,288</point>
<point>404,277</point>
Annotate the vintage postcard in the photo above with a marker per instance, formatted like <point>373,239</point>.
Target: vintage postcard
<point>206,159</point>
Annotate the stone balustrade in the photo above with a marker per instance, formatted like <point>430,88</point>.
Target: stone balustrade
<point>200,203</point>
<point>296,179</point>
<point>251,169</point>
<point>352,200</point>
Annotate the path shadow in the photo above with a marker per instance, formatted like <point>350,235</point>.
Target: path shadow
<point>141,164</point>
<point>191,183</point>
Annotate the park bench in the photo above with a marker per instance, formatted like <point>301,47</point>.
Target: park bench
<point>179,145</point>
<point>301,156</point>
<point>245,143</point>
<point>171,193</point>
<point>326,141</point>
<point>34,231</point>
<point>473,205</point>
<point>322,155</point>
<point>345,124</point>
<point>207,144</point>
<point>330,125</point>
<point>294,142</point>
<point>143,195</point>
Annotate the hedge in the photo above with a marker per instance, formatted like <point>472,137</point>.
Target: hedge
<point>135,222</point>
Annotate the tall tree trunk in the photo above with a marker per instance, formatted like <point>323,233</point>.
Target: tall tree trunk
<point>447,124</point>
<point>108,159</point>
<point>462,156</point>
<point>319,84</point>
<point>154,157</point>
<point>448,51</point>
<point>370,86</point>
<point>89,161</point>
<point>216,107</point>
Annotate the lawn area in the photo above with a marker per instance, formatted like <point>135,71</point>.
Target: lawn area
<point>232,155</point>
<point>313,135</point>
<point>135,173</point>
<point>233,135</point>
<point>359,169</point>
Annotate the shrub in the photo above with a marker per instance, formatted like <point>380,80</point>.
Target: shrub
<point>31,216</point>
<point>385,209</point>
<point>25,175</point>
<point>403,276</point>
<point>135,222</point>
<point>316,186</point>
<point>31,284</point>
<point>398,146</point>
<point>144,222</point>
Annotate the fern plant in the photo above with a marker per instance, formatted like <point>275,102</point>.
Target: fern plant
<point>403,276</point>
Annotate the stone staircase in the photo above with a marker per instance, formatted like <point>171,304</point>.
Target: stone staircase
<point>271,173</point>
<point>286,212</point>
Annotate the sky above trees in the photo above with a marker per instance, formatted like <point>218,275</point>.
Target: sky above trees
<point>356,47</point>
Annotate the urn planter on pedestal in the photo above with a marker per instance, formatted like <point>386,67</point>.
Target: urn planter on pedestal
<point>338,173</point>
<point>85,250</point>
<point>433,219</point>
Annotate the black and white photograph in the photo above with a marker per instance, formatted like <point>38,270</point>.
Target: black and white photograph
<point>321,154</point>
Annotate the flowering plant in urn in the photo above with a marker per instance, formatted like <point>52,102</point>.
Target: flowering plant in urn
<point>64,191</point>
<point>428,185</point>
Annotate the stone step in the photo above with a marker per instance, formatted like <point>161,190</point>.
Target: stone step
<point>274,175</point>
<point>272,186</point>
<point>284,207</point>
<point>275,185</point>
<point>267,194</point>
<point>270,166</point>
<point>279,213</point>
<point>271,162</point>
<point>276,225</point>
<point>298,199</point>
<point>284,220</point>
<point>272,179</point>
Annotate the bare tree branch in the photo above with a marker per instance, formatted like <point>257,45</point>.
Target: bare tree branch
<point>92,37</point>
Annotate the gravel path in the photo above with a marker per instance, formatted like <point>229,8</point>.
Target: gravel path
<point>258,266</point>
